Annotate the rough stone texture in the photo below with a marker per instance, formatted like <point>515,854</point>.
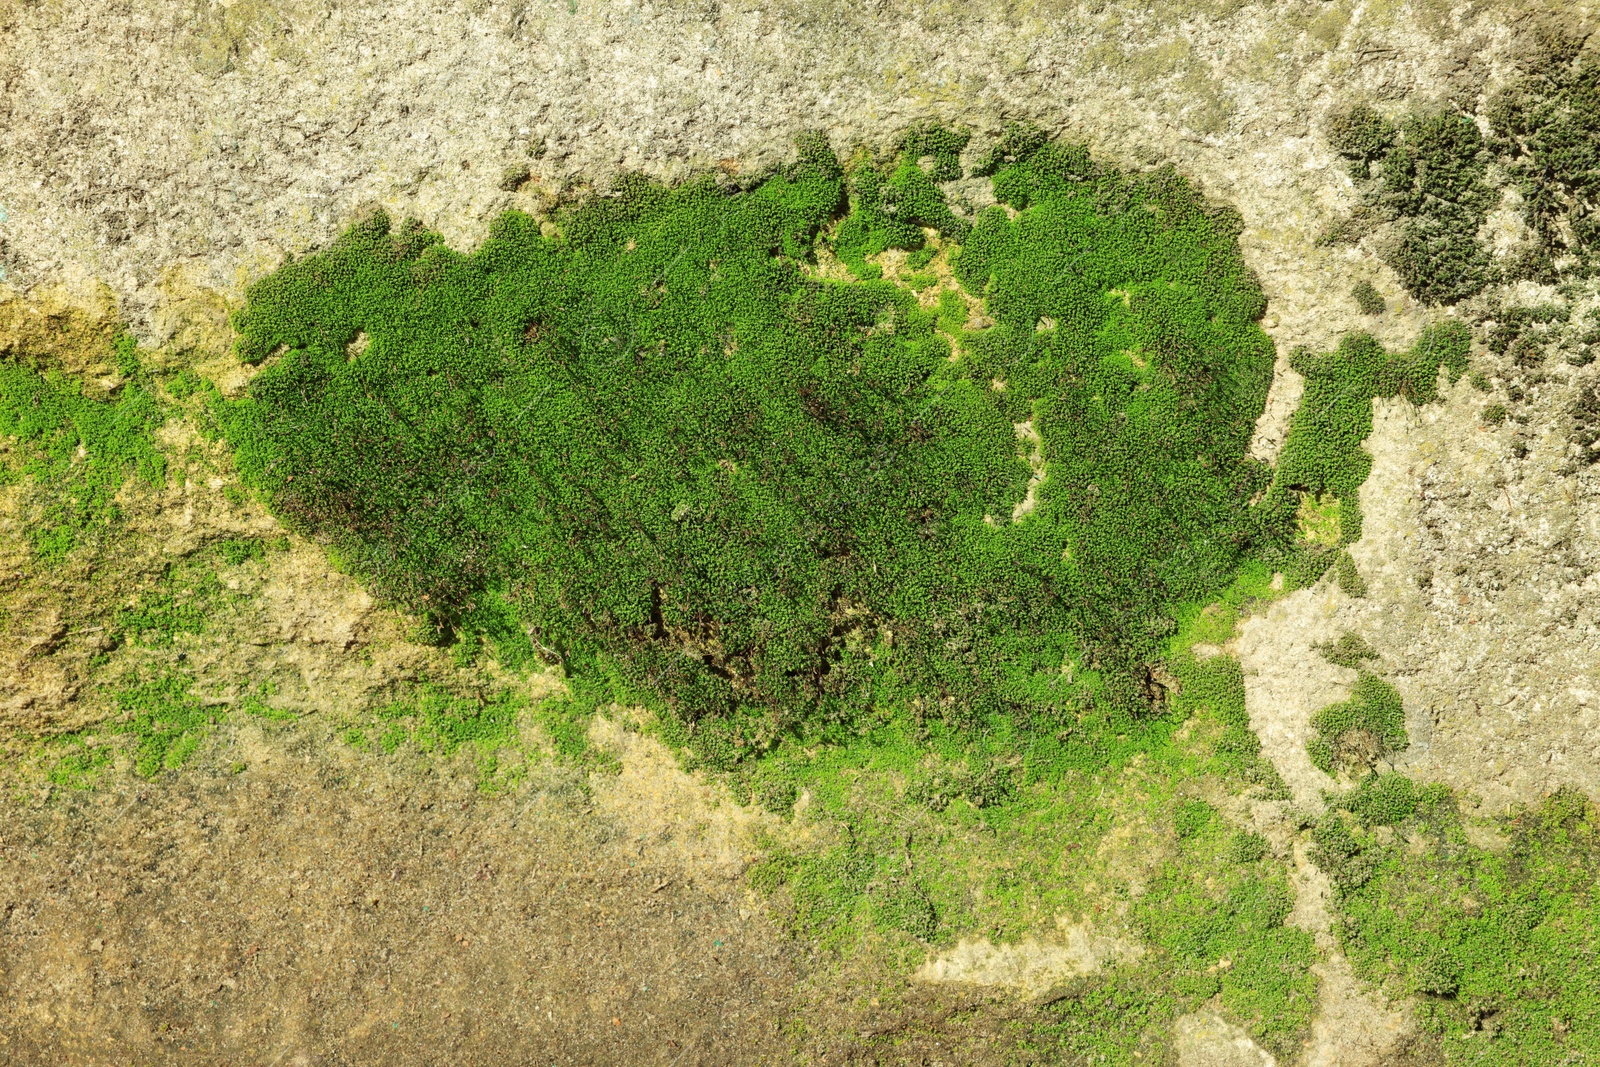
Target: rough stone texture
<point>1208,1040</point>
<point>175,150</point>
<point>1483,572</point>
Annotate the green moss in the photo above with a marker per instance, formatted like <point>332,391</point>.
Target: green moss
<point>760,500</point>
<point>1353,734</point>
<point>1351,650</point>
<point>1192,817</point>
<point>175,605</point>
<point>1119,1020</point>
<point>1368,299</point>
<point>1498,945</point>
<point>1493,414</point>
<point>237,550</point>
<point>78,450</point>
<point>1323,452</point>
<point>1382,799</point>
<point>77,760</point>
<point>1246,847</point>
<point>1222,930</point>
<point>255,704</point>
<point>163,720</point>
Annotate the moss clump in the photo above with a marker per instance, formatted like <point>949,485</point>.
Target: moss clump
<point>1351,650</point>
<point>1498,945</point>
<point>1323,452</point>
<point>1433,181</point>
<point>1350,581</point>
<point>1382,799</point>
<point>1354,734</point>
<point>77,450</point>
<point>765,501</point>
<point>1362,136</point>
<point>1368,299</point>
<point>1494,414</point>
<point>163,719</point>
<point>1546,127</point>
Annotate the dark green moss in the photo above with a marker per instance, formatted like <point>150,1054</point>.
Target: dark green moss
<point>1362,136</point>
<point>1355,733</point>
<point>1368,299</point>
<point>1350,581</point>
<point>1546,126</point>
<point>1351,650</point>
<point>656,446</point>
<point>1433,179</point>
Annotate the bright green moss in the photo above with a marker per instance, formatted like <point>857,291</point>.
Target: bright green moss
<point>1499,946</point>
<point>160,614</point>
<point>163,719</point>
<point>77,450</point>
<point>769,502</point>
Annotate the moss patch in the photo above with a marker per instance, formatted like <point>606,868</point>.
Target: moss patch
<point>1354,734</point>
<point>77,449</point>
<point>766,502</point>
<point>1323,452</point>
<point>1498,945</point>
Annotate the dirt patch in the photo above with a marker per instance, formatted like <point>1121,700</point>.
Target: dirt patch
<point>323,910</point>
<point>657,801</point>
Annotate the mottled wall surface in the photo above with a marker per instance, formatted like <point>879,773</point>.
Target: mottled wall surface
<point>153,146</point>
